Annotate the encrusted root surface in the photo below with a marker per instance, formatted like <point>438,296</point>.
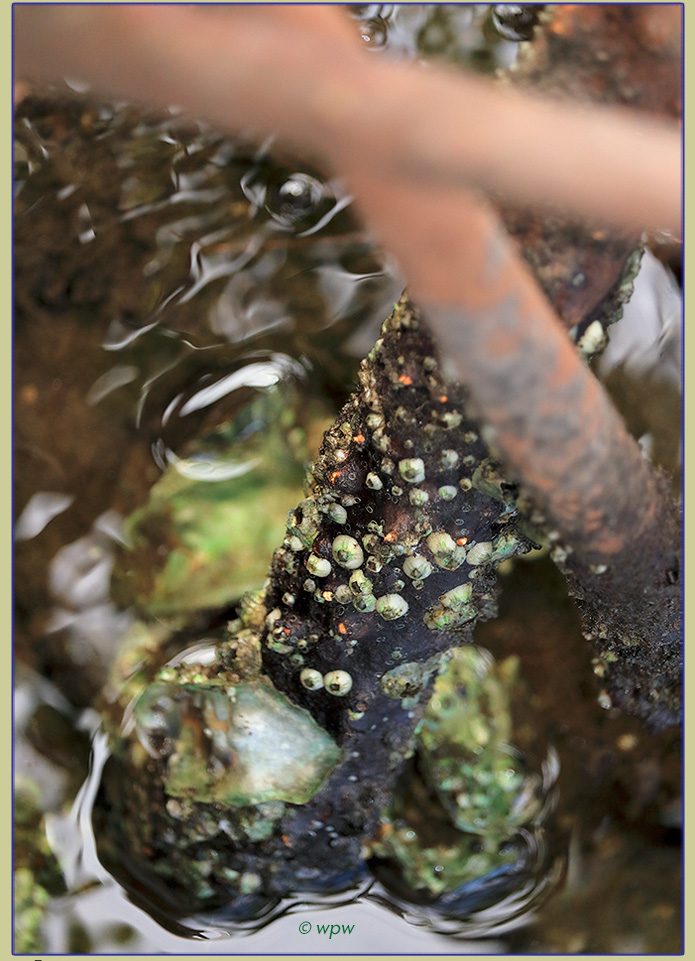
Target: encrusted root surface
<point>632,609</point>
<point>387,564</point>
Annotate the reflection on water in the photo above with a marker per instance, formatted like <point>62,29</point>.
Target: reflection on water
<point>190,312</point>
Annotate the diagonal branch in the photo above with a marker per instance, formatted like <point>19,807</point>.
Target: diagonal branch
<point>614,525</point>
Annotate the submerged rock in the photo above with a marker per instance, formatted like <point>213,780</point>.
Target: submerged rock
<point>234,746</point>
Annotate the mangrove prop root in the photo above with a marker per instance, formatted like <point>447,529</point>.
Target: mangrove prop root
<point>614,526</point>
<point>387,564</point>
<point>552,424</point>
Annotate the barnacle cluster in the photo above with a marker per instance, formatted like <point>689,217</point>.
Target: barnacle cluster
<point>405,519</point>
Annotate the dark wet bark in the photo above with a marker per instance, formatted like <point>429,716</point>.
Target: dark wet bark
<point>612,522</point>
<point>419,420</point>
<point>628,591</point>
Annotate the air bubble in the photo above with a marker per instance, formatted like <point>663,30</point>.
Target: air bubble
<point>296,199</point>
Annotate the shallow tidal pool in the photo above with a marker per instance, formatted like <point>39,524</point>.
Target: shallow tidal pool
<point>190,313</point>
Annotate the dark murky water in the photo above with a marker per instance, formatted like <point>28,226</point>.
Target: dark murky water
<point>190,314</point>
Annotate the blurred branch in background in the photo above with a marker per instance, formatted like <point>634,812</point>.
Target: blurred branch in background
<point>299,71</point>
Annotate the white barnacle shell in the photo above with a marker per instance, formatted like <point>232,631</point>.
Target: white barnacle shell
<point>347,552</point>
<point>343,594</point>
<point>418,497</point>
<point>365,603</point>
<point>457,598</point>
<point>506,545</point>
<point>360,583</point>
<point>373,481</point>
<point>338,683</point>
<point>381,440</point>
<point>417,567</point>
<point>337,513</point>
<point>593,339</point>
<point>318,566</point>
<point>370,541</point>
<point>310,679</point>
<point>480,553</point>
<point>412,469</point>
<point>451,419</point>
<point>391,606</point>
<point>273,617</point>
<point>447,553</point>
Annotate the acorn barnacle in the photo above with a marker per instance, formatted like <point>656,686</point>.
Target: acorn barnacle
<point>447,553</point>
<point>337,513</point>
<point>347,552</point>
<point>343,594</point>
<point>412,469</point>
<point>417,567</point>
<point>338,683</point>
<point>480,553</point>
<point>364,603</point>
<point>359,583</point>
<point>318,566</point>
<point>391,606</point>
<point>310,679</point>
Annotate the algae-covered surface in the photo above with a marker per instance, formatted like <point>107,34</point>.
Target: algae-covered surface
<point>190,316</point>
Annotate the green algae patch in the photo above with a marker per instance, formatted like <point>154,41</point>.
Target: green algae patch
<point>465,741</point>
<point>434,858</point>
<point>217,539</point>
<point>214,517</point>
<point>462,817</point>
<point>37,875</point>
